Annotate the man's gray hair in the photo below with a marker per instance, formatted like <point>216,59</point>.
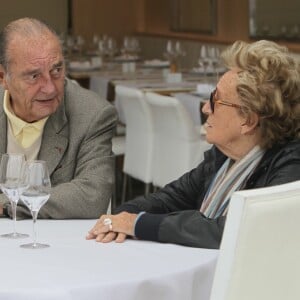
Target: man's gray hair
<point>25,27</point>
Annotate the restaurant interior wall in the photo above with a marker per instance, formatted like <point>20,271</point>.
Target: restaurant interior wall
<point>54,12</point>
<point>127,17</point>
<point>152,18</point>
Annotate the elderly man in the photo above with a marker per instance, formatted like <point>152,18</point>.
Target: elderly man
<point>47,117</point>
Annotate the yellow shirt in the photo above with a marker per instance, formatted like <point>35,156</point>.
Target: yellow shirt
<point>25,133</point>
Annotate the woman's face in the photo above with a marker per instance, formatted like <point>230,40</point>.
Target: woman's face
<point>225,126</point>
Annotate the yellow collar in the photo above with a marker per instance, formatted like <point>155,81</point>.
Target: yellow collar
<point>18,124</point>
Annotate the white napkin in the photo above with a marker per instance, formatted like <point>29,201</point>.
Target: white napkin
<point>157,62</point>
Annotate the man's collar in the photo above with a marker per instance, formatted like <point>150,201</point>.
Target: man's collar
<point>17,123</point>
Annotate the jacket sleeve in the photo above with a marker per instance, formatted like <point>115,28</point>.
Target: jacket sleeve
<point>172,214</point>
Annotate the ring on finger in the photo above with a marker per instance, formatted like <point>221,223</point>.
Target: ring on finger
<point>108,222</point>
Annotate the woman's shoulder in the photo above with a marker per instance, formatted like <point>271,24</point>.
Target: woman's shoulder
<point>286,151</point>
<point>292,146</point>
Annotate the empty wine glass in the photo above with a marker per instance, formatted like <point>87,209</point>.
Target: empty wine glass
<point>204,60</point>
<point>179,50</point>
<point>111,48</point>
<point>34,192</point>
<point>10,175</point>
<point>214,55</point>
<point>173,54</point>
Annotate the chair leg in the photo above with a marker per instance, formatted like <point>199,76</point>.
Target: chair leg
<point>124,188</point>
<point>155,189</point>
<point>115,190</point>
<point>129,187</point>
<point>147,188</point>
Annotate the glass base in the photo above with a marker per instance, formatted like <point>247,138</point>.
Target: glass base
<point>14,235</point>
<point>34,246</point>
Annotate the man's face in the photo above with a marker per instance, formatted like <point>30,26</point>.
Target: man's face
<point>35,76</point>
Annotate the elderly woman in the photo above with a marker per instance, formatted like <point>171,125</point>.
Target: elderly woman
<point>253,123</point>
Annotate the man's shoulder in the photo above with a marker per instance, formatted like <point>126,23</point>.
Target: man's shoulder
<point>80,99</point>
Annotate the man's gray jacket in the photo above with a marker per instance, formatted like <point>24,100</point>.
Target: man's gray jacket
<point>76,144</point>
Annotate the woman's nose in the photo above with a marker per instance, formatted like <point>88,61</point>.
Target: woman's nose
<point>206,109</point>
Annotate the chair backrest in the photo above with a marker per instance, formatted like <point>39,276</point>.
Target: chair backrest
<point>178,146</point>
<point>260,250</point>
<point>139,133</point>
<point>173,118</point>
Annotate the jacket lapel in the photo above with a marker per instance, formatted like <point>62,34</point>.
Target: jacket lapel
<point>3,125</point>
<point>55,139</point>
<point>3,131</point>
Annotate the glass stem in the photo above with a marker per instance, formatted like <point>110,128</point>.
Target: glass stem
<point>34,217</point>
<point>14,214</point>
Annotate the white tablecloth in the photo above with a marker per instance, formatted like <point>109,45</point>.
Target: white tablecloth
<point>74,268</point>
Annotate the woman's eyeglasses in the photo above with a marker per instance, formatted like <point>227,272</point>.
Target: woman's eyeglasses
<point>213,101</point>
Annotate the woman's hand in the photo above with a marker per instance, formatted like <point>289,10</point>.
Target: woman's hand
<point>113,227</point>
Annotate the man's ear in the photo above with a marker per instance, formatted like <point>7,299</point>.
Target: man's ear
<point>2,77</point>
<point>248,127</point>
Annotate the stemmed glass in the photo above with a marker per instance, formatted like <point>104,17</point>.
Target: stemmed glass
<point>204,60</point>
<point>10,174</point>
<point>214,55</point>
<point>173,54</point>
<point>34,192</point>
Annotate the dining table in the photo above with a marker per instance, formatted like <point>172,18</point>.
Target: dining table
<point>103,80</point>
<point>76,268</point>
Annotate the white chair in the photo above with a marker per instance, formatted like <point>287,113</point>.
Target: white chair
<point>139,136</point>
<point>118,149</point>
<point>260,250</point>
<point>178,143</point>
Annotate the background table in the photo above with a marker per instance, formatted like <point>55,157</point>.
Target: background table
<point>74,268</point>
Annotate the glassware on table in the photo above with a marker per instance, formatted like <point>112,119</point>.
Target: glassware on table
<point>131,47</point>
<point>173,54</point>
<point>169,54</point>
<point>34,192</point>
<point>204,60</point>
<point>10,174</point>
<point>214,55</point>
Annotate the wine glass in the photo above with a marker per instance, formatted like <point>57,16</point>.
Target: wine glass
<point>214,55</point>
<point>34,192</point>
<point>204,60</point>
<point>10,174</point>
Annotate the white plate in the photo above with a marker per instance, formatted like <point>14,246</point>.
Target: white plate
<point>82,66</point>
<point>124,59</point>
<point>78,69</point>
<point>209,70</point>
<point>155,63</point>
